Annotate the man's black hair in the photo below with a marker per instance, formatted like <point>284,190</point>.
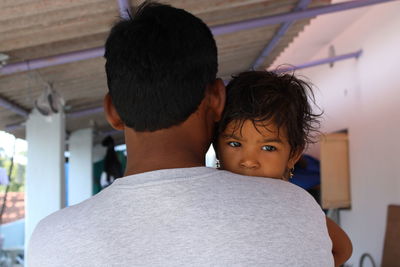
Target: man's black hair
<point>158,64</point>
<point>264,97</point>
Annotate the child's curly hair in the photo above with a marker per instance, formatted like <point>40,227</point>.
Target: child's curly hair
<point>264,97</point>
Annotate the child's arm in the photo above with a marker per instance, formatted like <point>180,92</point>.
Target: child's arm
<point>341,243</point>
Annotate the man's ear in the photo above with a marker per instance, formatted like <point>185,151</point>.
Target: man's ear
<point>112,115</point>
<point>294,158</point>
<point>217,96</point>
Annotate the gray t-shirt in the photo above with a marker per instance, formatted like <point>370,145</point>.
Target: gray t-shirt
<point>187,217</point>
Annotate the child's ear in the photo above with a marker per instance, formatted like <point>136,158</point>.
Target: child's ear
<point>112,115</point>
<point>294,158</point>
<point>217,96</point>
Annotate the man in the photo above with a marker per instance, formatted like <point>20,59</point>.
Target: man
<point>170,210</point>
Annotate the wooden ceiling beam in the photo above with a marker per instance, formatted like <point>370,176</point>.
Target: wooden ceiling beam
<point>41,7</point>
<point>54,17</point>
<point>56,33</point>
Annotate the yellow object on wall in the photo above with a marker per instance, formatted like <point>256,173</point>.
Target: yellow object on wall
<point>335,173</point>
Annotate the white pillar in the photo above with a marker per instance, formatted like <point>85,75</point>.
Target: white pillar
<point>45,183</point>
<point>80,174</point>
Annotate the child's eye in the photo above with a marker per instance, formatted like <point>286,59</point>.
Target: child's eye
<point>234,144</point>
<point>268,148</point>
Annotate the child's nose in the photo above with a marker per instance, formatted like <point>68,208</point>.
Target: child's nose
<point>249,164</point>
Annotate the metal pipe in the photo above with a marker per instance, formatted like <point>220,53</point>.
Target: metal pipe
<point>124,8</point>
<point>52,60</point>
<point>302,4</point>
<point>291,16</point>
<point>320,62</point>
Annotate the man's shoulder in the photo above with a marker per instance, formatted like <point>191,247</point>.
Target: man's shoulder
<point>280,192</point>
<point>52,224</point>
<point>57,223</point>
<point>261,183</point>
<point>53,232</point>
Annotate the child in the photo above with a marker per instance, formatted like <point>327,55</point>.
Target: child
<point>264,129</point>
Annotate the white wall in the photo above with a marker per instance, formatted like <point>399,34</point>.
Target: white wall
<point>45,183</point>
<point>364,96</point>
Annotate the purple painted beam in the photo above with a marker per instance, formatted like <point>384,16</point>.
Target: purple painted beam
<point>291,16</point>
<point>85,112</point>
<point>320,62</point>
<point>52,61</point>
<point>13,107</point>
<point>25,113</point>
<point>11,127</point>
<point>301,5</point>
<point>124,8</point>
<point>15,126</point>
<point>75,114</point>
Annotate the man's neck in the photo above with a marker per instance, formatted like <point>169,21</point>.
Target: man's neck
<point>136,166</point>
<point>165,150</point>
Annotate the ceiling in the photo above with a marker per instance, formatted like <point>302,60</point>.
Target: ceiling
<point>32,29</point>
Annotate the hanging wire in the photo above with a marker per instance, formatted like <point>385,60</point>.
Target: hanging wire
<point>364,256</point>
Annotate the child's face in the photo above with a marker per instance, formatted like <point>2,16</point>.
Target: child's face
<point>255,152</point>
